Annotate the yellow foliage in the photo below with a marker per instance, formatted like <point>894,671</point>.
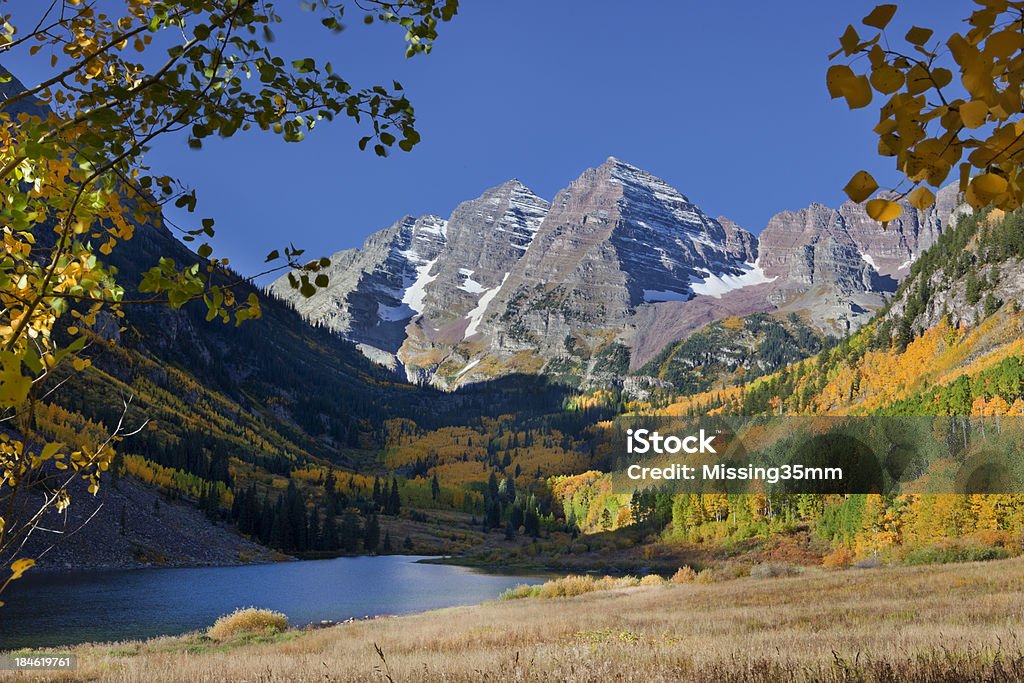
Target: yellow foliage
<point>248,621</point>
<point>930,130</point>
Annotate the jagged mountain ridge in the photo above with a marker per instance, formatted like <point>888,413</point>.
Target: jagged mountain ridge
<point>619,265</point>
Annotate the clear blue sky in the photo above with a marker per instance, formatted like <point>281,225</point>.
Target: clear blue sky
<point>725,100</point>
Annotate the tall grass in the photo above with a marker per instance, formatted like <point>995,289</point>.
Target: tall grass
<point>570,586</point>
<point>248,620</point>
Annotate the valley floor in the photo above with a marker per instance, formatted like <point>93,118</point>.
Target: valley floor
<point>932,623</point>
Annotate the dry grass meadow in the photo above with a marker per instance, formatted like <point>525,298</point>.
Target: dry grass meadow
<point>933,623</point>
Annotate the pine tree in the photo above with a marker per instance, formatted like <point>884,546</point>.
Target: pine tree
<point>378,497</point>
<point>313,531</point>
<point>329,534</point>
<point>394,501</point>
<point>371,534</point>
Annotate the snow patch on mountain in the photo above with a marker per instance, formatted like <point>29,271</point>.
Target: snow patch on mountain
<point>469,284</point>
<point>417,291</point>
<point>477,314</point>
<point>715,285</point>
<point>469,366</point>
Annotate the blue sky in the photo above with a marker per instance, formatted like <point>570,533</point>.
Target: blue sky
<point>725,100</point>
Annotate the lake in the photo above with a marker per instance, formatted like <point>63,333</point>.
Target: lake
<point>60,609</point>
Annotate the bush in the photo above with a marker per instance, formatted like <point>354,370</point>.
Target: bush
<point>652,580</point>
<point>684,575</point>
<point>705,576</point>
<point>773,570</point>
<point>248,620</point>
<point>839,558</point>
<point>942,554</point>
<point>732,570</point>
<point>571,586</point>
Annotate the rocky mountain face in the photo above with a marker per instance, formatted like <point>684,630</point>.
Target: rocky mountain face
<point>598,282</point>
<point>974,270</point>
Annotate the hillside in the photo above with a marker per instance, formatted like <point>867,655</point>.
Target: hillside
<point>735,350</point>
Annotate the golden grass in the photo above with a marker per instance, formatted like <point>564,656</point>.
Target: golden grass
<point>572,586</point>
<point>929,623</point>
<point>247,621</point>
<point>684,575</point>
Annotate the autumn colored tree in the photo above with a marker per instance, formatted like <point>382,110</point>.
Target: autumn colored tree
<point>74,185</point>
<point>950,104</point>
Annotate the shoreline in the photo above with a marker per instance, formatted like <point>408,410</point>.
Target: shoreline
<point>641,631</point>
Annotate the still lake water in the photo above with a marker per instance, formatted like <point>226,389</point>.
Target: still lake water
<point>60,609</point>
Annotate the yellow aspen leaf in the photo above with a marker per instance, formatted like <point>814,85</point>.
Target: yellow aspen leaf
<point>880,16</point>
<point>950,120</point>
<point>942,77</point>
<point>889,145</point>
<point>849,41</point>
<point>974,113</point>
<point>983,20</point>
<point>885,126</point>
<point>977,80</point>
<point>1004,44</point>
<point>19,567</point>
<point>1010,101</point>
<point>984,189</point>
<point>876,55</point>
<point>861,186</point>
<point>921,198</point>
<point>963,52</point>
<point>918,35</point>
<point>918,80</point>
<point>14,386</point>
<point>887,79</point>
<point>883,210</point>
<point>857,92</point>
<point>836,78</point>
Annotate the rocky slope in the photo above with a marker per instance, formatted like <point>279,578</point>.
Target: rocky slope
<point>128,525</point>
<point>619,266</point>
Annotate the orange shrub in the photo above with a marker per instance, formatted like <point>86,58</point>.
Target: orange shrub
<point>839,558</point>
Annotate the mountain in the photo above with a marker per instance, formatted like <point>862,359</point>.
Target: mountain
<point>948,342</point>
<point>596,284</point>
